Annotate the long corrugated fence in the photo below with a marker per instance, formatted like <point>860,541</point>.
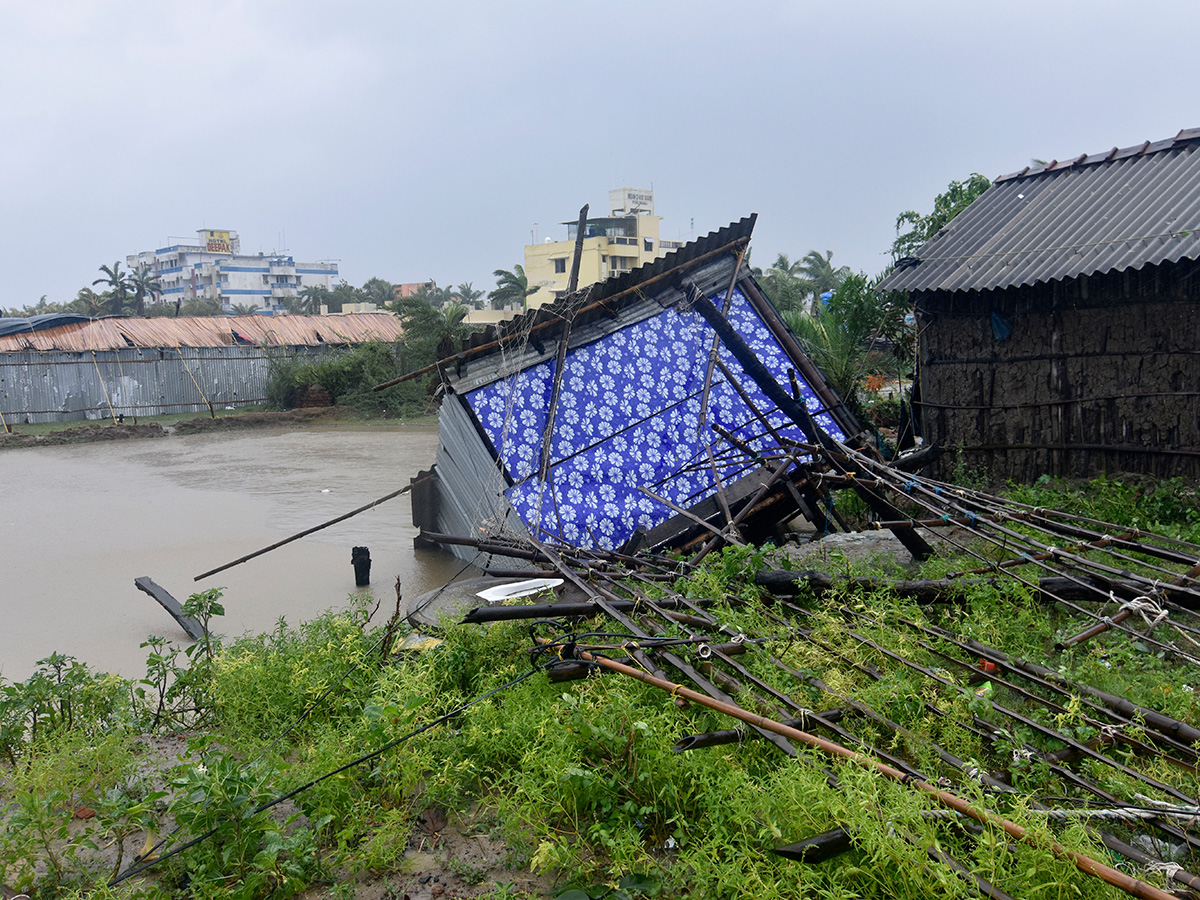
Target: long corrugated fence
<point>127,366</point>
<point>59,386</point>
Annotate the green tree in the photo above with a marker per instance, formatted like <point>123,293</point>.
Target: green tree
<point>379,292</point>
<point>842,340</point>
<point>144,284</point>
<point>818,271</point>
<point>88,303</point>
<point>511,288</point>
<point>119,286</point>
<point>344,294</point>
<point>41,308</point>
<point>957,197</point>
<point>310,300</point>
<point>783,283</point>
<point>468,295</point>
<point>244,309</point>
<point>201,306</point>
<point>430,332</point>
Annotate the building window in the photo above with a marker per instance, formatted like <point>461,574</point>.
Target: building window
<point>649,245</point>
<point>560,265</point>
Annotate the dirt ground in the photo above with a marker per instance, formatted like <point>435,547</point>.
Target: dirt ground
<point>108,430</point>
<point>448,857</point>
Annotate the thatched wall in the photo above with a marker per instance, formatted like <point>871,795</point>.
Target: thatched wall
<point>1098,374</point>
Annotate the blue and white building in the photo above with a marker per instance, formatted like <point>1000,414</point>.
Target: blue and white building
<point>214,268</point>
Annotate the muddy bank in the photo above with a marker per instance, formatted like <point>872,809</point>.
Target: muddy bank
<point>81,434</point>
<point>91,432</point>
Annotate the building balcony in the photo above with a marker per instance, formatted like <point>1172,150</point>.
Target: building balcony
<point>283,290</point>
<point>283,269</point>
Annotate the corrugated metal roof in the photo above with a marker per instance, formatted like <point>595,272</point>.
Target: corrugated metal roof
<point>1107,212</point>
<point>118,333</point>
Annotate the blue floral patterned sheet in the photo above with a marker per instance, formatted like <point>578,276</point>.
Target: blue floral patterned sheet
<point>629,416</point>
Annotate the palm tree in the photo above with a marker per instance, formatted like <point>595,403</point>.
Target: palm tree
<point>41,308</point>
<point>511,287</point>
<point>467,294</point>
<point>784,284</point>
<point>312,299</point>
<point>841,340</point>
<point>118,283</point>
<point>145,284</point>
<point>819,272</point>
<point>88,303</point>
<point>244,309</point>
<point>379,292</point>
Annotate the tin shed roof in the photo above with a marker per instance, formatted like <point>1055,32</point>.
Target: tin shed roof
<point>117,333</point>
<point>1121,209</point>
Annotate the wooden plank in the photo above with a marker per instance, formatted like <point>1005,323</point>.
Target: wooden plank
<point>171,605</point>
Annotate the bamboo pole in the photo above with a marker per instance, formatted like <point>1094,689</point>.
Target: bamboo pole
<point>305,533</point>
<point>1084,863</point>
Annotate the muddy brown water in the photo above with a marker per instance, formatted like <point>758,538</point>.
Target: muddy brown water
<point>79,523</point>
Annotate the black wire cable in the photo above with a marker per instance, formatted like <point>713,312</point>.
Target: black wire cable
<point>137,869</point>
<point>568,644</point>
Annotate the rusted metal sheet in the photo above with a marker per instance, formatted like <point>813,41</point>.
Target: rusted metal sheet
<point>119,333</point>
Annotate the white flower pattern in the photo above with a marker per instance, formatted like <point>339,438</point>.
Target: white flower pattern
<point>627,417</point>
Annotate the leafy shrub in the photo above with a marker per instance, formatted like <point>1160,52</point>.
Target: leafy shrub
<point>350,376</point>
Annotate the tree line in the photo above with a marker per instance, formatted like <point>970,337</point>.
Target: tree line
<point>849,328</point>
<point>127,292</point>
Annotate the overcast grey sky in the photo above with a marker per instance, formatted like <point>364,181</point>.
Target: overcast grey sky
<point>425,140</point>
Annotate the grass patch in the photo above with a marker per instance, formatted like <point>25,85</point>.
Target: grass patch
<point>579,778</point>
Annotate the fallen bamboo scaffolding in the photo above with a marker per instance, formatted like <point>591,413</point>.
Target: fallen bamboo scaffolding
<point>1115,877</point>
<point>701,627</point>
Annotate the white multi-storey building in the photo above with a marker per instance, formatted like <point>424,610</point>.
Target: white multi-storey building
<point>215,269</point>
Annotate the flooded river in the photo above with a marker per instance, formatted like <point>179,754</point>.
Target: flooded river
<point>79,523</point>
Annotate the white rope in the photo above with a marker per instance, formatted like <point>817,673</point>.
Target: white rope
<point>1167,869</point>
<point>1021,754</point>
<point>1150,611</point>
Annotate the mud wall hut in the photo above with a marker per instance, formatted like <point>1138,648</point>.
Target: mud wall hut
<point>1059,319</point>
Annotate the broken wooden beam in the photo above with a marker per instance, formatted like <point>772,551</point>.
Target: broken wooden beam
<point>193,628</point>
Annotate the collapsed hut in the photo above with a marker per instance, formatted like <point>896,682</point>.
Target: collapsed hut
<point>552,456</point>
<point>616,418</point>
<point>1058,319</point>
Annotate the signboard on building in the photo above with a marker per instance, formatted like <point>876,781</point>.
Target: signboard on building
<point>217,241</point>
<point>627,201</point>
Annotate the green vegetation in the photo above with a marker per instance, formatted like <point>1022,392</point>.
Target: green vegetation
<point>845,340</point>
<point>860,336</point>
<point>578,779</point>
<point>350,376</point>
<point>921,228</point>
<point>512,288</point>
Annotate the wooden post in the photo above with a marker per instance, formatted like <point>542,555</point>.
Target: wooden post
<point>759,373</point>
<point>573,281</point>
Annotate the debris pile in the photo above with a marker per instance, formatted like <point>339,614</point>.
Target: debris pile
<point>619,497</point>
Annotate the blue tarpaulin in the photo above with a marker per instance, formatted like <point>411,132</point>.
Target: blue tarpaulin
<point>39,323</point>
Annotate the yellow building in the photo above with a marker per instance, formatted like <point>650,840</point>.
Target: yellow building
<point>625,239</point>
